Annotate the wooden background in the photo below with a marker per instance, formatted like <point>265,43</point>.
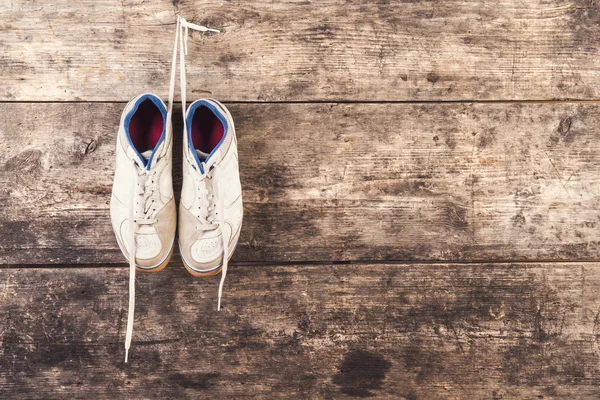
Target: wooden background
<point>421,201</point>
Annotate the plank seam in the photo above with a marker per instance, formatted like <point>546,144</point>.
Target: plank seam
<point>417,102</point>
<point>316,263</point>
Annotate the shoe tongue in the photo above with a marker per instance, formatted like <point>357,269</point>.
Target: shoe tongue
<point>201,155</point>
<point>146,155</point>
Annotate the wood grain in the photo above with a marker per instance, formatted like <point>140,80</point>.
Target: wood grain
<point>328,182</point>
<point>352,50</point>
<point>392,331</point>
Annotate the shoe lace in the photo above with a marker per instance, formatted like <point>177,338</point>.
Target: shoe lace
<point>211,216</point>
<point>141,212</point>
<point>140,179</point>
<point>211,213</point>
<point>206,207</point>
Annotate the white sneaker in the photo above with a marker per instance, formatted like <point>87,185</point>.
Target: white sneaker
<point>211,211</point>
<point>143,185</point>
<point>142,207</point>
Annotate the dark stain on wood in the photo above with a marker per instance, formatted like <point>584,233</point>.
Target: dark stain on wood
<point>274,178</point>
<point>432,77</point>
<point>229,58</point>
<point>361,373</point>
<point>519,219</point>
<point>19,231</point>
<point>196,381</point>
<point>318,32</point>
<point>451,142</point>
<point>486,139</point>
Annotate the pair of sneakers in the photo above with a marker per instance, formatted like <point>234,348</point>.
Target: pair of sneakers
<point>142,207</point>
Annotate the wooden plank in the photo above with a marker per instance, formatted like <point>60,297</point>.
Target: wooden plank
<point>524,331</point>
<point>107,50</point>
<point>330,182</point>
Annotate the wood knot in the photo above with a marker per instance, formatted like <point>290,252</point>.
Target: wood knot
<point>91,147</point>
<point>564,126</point>
<point>432,77</point>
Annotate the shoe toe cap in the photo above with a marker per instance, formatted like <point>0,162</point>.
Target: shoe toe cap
<point>152,253</point>
<point>206,250</point>
<point>154,243</point>
<point>202,255</point>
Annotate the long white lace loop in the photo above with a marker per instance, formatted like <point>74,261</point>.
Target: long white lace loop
<point>132,251</point>
<point>133,223</point>
<point>182,27</point>
<point>225,250</point>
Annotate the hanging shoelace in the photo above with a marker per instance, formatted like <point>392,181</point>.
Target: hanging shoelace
<point>139,185</point>
<point>209,174</point>
<point>211,212</point>
<point>138,208</point>
<point>139,181</point>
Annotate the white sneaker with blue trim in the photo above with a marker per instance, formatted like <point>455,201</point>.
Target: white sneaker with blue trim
<point>142,206</point>
<point>143,187</point>
<point>211,210</point>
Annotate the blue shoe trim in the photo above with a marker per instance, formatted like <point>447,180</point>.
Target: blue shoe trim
<point>216,111</point>
<point>127,121</point>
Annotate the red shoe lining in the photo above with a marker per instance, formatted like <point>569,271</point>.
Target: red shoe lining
<point>146,126</point>
<point>207,130</point>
